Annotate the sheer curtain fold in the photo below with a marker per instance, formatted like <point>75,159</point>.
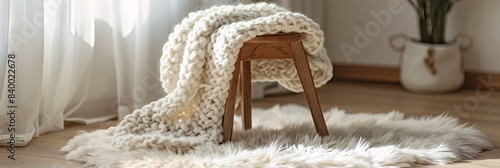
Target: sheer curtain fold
<point>86,61</point>
<point>68,61</point>
<point>25,41</point>
<point>4,38</point>
<point>81,61</point>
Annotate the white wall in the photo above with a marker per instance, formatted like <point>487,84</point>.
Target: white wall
<point>479,18</point>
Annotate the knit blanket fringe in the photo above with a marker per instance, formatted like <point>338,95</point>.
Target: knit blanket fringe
<point>196,69</point>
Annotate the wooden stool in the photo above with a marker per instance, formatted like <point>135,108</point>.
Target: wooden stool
<point>276,46</point>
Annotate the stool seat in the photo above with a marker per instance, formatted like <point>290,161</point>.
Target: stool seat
<point>273,46</point>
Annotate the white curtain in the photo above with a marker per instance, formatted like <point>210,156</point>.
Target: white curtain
<point>85,61</point>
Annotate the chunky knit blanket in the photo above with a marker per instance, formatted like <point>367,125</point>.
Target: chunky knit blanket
<point>196,69</point>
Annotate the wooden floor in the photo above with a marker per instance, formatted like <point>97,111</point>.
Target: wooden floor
<point>480,107</point>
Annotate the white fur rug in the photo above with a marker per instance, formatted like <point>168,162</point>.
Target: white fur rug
<point>285,137</point>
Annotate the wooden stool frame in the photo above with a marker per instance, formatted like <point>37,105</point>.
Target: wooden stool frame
<point>276,46</point>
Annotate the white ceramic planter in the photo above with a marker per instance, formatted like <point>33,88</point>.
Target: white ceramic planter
<point>431,68</point>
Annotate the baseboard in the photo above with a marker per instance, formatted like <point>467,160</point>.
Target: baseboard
<point>390,75</point>
<point>364,73</point>
<point>475,80</point>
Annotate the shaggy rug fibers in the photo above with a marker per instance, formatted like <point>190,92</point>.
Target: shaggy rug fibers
<point>284,136</point>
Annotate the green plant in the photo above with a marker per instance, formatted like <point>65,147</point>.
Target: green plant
<point>432,18</point>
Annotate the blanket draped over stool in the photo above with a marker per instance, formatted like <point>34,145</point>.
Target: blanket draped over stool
<point>196,69</point>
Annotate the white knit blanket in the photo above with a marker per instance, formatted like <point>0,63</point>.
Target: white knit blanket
<point>196,69</point>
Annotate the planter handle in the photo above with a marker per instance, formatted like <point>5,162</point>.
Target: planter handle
<point>464,48</point>
<point>397,37</point>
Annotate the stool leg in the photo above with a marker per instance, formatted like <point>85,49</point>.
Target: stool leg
<point>246,94</point>
<point>227,124</point>
<point>306,79</point>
